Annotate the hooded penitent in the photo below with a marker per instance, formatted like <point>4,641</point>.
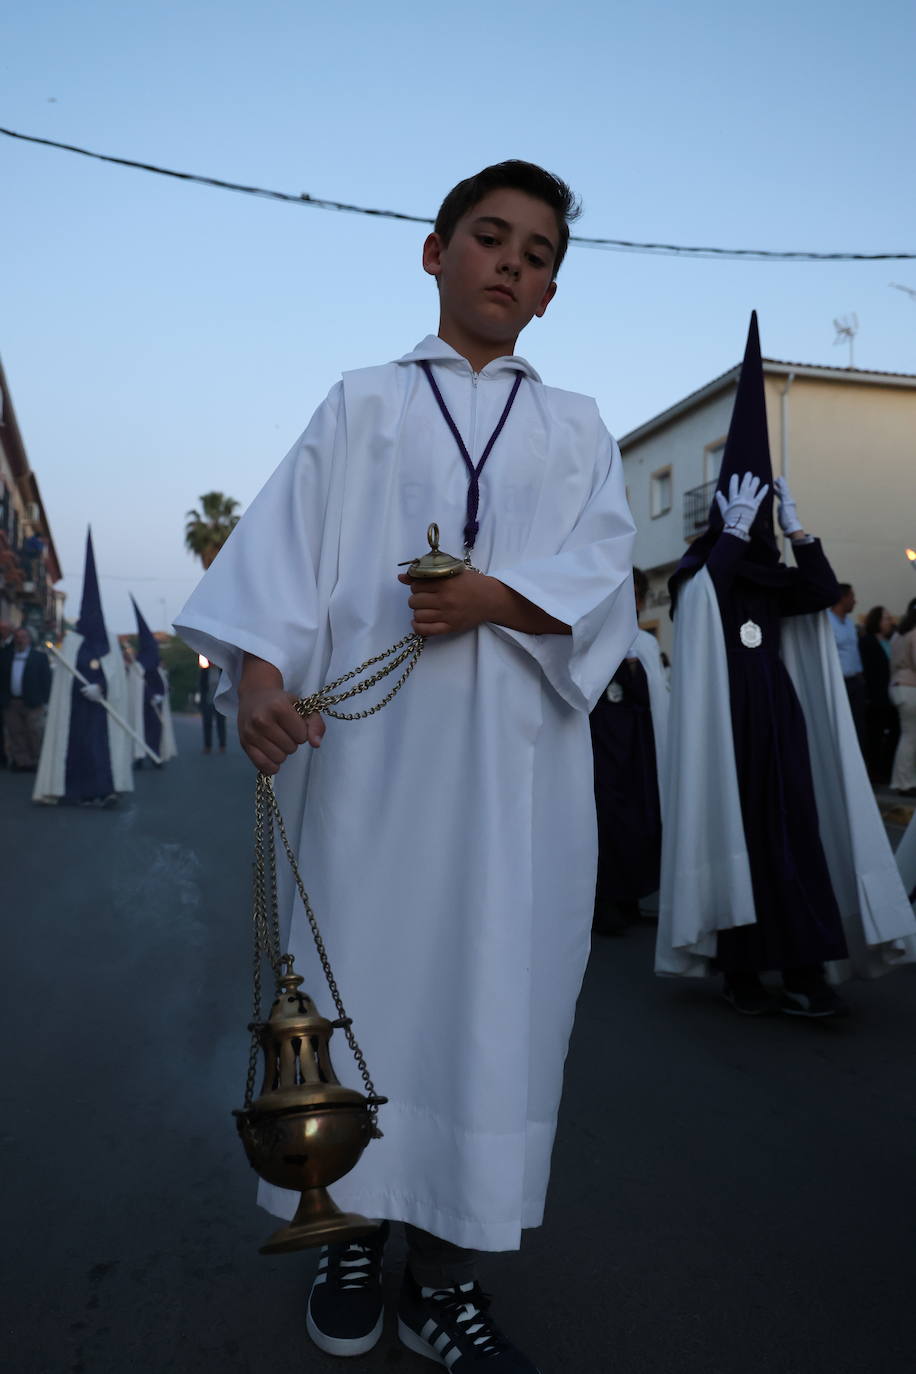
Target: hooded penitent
<point>153,684</point>
<point>88,772</point>
<point>768,862</point>
<point>797,922</point>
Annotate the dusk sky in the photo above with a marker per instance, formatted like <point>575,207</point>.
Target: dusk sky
<point>163,339</point>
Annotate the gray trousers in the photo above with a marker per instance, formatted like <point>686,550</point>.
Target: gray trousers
<point>23,726</point>
<point>437,1263</point>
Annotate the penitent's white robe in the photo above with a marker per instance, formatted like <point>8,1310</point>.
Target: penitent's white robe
<point>136,694</point>
<point>906,858</point>
<point>647,650</point>
<point>51,774</point>
<point>449,844</point>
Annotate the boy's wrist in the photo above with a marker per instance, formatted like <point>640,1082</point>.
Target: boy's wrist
<point>510,609</point>
<point>257,674</point>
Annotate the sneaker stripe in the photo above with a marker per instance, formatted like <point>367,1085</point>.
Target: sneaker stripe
<point>429,1330</point>
<point>441,1342</point>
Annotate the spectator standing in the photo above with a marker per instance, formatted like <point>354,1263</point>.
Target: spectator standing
<point>847,643</point>
<point>6,654</point>
<point>882,729</point>
<point>903,695</point>
<point>209,681</point>
<point>25,691</point>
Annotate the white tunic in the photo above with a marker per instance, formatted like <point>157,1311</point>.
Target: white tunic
<point>51,774</point>
<point>449,845</point>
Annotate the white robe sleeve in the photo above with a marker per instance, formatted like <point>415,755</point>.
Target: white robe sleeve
<point>588,585</point>
<point>259,596</point>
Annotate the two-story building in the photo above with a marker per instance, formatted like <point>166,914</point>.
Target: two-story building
<point>29,565</point>
<point>846,441</point>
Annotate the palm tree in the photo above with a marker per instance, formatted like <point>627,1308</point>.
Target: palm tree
<point>206,533</point>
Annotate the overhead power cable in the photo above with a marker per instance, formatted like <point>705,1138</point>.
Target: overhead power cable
<point>610,245</point>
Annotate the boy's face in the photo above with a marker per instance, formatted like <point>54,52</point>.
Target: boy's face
<point>496,273</point>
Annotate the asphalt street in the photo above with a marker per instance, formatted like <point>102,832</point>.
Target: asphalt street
<point>728,1196</point>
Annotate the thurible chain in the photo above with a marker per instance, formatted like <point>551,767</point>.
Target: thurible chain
<point>265,904</point>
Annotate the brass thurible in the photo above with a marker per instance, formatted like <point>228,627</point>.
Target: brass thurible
<point>305,1130</point>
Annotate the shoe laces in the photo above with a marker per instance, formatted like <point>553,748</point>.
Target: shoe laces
<point>467,1305</point>
<point>354,1263</point>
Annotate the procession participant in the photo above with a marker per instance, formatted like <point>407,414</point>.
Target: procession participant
<point>85,756</point>
<point>774,855</point>
<point>629,726</point>
<point>450,846</point>
<point>148,692</point>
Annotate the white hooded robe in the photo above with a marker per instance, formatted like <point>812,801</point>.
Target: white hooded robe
<point>136,693</point>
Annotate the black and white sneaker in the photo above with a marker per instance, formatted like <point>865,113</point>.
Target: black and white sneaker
<point>451,1326</point>
<point>345,1312</point>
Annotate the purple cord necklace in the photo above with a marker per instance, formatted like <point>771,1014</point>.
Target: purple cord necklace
<point>472,524</point>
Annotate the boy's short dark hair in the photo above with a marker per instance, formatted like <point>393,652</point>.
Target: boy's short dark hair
<point>513,175</point>
<point>640,583</point>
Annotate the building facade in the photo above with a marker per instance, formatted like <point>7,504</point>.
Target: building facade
<point>846,441</point>
<point>29,566</point>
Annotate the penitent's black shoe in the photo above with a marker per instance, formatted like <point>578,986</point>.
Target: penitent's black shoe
<point>345,1313</point>
<point>749,998</point>
<point>817,1002</point>
<point>451,1326</point>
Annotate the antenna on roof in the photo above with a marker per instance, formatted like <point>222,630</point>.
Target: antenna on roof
<point>846,329</point>
<point>910,290</point>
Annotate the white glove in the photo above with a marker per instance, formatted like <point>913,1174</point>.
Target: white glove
<point>786,511</point>
<point>743,502</point>
<point>92,691</point>
<point>157,701</point>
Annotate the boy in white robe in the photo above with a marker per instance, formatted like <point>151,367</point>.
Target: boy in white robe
<point>449,847</point>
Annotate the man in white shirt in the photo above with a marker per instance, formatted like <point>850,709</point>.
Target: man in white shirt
<point>26,696</point>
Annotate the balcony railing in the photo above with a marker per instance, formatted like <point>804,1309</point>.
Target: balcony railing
<point>697,502</point>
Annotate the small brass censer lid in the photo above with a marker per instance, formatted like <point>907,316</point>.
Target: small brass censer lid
<point>434,564</point>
